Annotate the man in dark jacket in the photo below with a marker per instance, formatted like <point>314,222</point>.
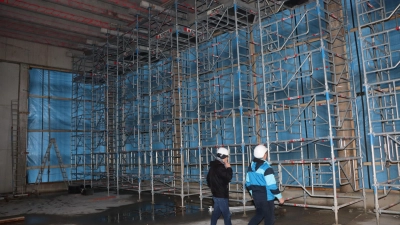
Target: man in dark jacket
<point>218,178</point>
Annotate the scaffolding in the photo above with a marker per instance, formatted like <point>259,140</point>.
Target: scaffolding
<point>226,95</point>
<point>187,156</point>
<point>378,30</point>
<point>18,156</point>
<point>99,133</point>
<point>81,167</point>
<point>161,104</point>
<point>129,129</point>
<point>308,97</point>
<point>162,97</point>
<point>95,118</point>
<point>172,111</point>
<point>134,122</point>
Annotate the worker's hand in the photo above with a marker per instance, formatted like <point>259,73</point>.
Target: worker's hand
<point>226,163</point>
<point>281,201</point>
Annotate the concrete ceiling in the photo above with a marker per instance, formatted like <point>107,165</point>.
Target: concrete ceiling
<point>76,24</point>
<point>68,23</point>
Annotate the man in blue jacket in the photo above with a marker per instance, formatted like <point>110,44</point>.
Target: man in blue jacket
<point>261,183</point>
<point>218,178</point>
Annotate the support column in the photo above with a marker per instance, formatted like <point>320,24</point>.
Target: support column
<point>254,70</point>
<point>177,116</point>
<point>23,95</point>
<point>343,104</point>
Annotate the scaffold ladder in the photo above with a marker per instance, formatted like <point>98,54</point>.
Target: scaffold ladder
<point>46,159</point>
<point>17,156</point>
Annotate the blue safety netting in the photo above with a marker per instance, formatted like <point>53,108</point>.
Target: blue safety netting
<point>49,117</point>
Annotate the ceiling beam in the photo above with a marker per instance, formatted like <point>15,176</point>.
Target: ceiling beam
<point>97,8</point>
<point>40,39</point>
<point>129,5</point>
<point>27,28</point>
<point>64,13</point>
<point>36,18</point>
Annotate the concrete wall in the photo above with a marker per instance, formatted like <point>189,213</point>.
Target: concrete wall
<point>35,54</point>
<point>9,80</point>
<point>16,57</point>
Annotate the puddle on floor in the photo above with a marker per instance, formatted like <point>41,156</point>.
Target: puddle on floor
<point>145,212</point>
<point>166,210</point>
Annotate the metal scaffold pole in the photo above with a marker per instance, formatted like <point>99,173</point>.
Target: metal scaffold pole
<point>151,52</point>
<point>378,32</point>
<point>197,89</point>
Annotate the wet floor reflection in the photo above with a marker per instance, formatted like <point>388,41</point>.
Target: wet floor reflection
<point>149,212</point>
<point>166,210</point>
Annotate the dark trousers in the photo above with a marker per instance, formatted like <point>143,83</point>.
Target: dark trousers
<point>221,206</point>
<point>264,209</point>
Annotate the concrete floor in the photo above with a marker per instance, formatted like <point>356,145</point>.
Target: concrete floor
<point>75,209</point>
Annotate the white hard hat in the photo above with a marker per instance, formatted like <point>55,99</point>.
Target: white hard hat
<point>259,151</point>
<point>223,151</point>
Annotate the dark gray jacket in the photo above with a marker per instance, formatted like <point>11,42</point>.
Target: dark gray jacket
<point>218,179</point>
